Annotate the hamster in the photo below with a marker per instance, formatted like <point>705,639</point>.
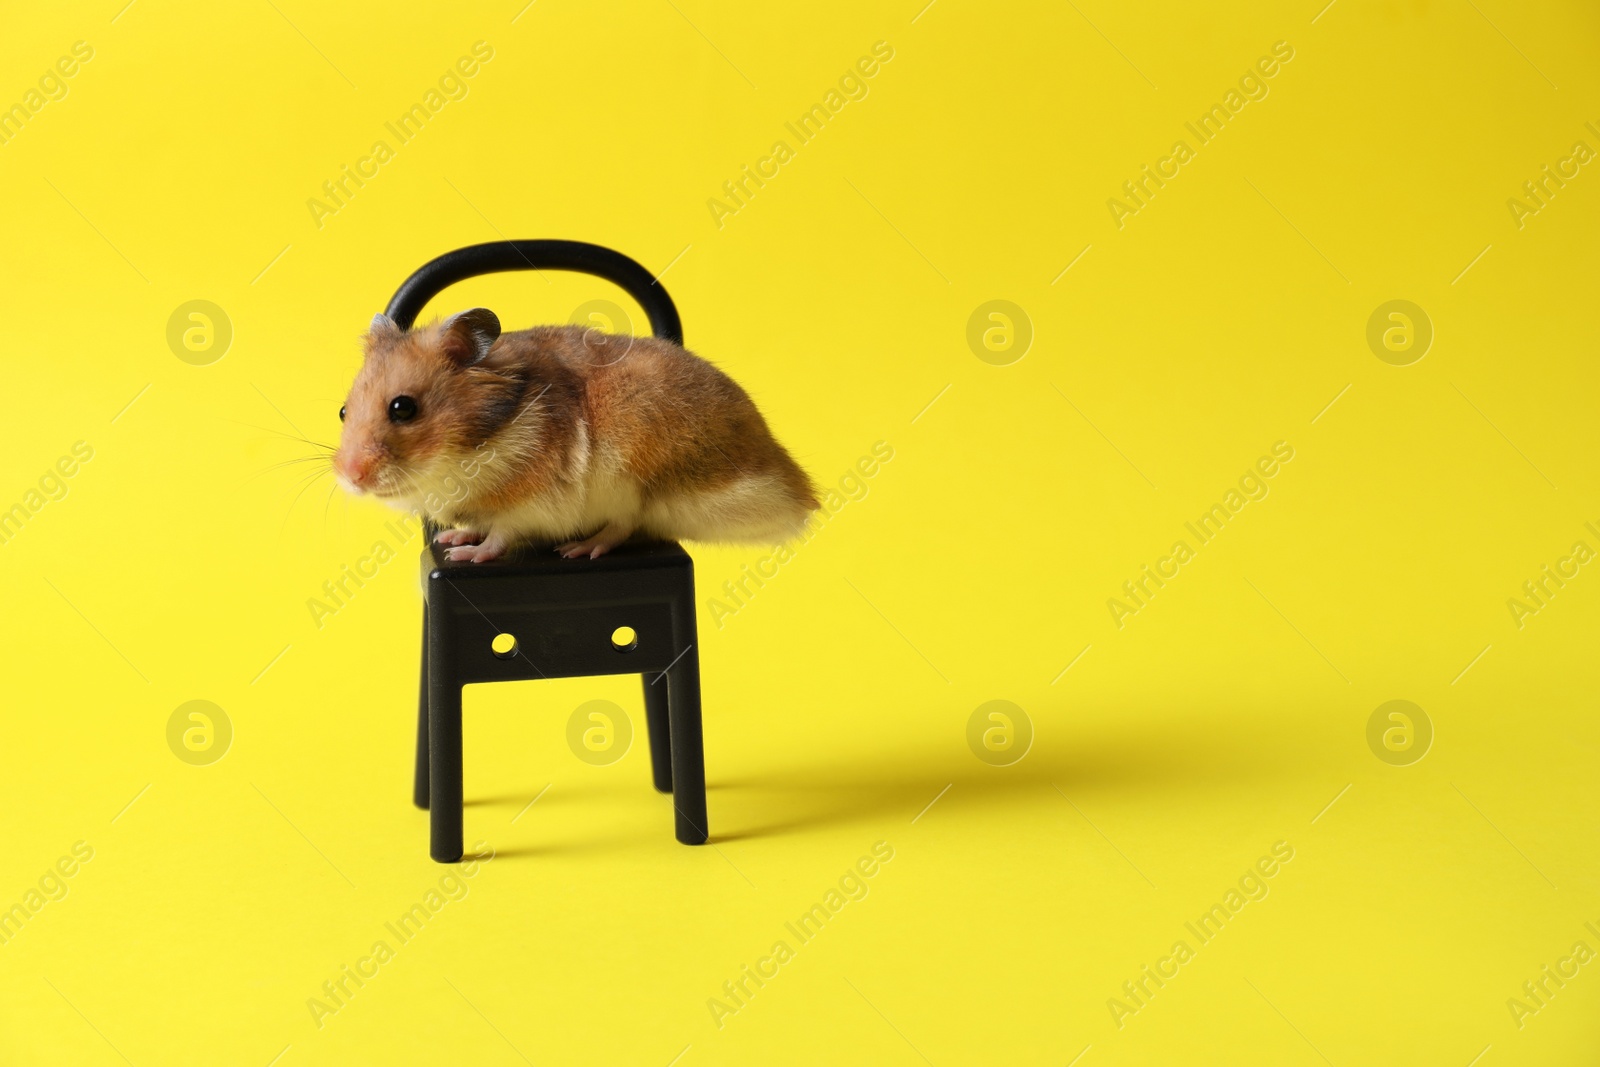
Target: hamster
<point>561,434</point>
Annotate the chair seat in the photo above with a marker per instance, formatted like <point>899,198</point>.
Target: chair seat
<point>540,560</point>
<point>562,612</point>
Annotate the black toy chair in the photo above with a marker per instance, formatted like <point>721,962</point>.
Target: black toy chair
<point>561,613</point>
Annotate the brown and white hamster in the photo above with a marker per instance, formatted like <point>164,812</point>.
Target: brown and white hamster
<point>562,434</point>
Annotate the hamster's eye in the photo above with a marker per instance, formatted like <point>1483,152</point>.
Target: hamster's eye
<point>402,409</point>
<point>341,412</point>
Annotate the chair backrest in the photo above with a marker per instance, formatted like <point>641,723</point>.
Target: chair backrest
<point>494,257</point>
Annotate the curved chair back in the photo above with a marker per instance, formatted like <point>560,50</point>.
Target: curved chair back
<point>436,275</point>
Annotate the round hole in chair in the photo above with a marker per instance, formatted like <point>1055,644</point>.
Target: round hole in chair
<point>624,639</point>
<point>504,646</point>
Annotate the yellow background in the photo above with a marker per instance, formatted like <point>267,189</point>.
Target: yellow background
<point>1224,717</point>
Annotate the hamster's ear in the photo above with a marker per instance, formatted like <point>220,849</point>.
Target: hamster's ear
<point>467,335</point>
<point>381,335</point>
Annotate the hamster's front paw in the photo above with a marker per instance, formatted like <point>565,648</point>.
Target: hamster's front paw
<point>457,537</point>
<point>490,549</point>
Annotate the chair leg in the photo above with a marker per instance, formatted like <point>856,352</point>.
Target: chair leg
<point>688,755</point>
<point>655,713</point>
<point>444,754</point>
<point>419,789</point>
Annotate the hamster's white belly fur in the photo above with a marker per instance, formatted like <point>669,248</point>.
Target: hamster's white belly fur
<point>595,491</point>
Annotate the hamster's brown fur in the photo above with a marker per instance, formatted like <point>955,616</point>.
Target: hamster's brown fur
<point>561,433</point>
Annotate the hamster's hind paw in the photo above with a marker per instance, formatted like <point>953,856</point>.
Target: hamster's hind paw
<point>457,537</point>
<point>596,546</point>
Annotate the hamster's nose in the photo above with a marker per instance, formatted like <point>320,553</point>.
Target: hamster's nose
<point>356,469</point>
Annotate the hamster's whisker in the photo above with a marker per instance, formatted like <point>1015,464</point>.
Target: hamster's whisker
<point>308,483</point>
<point>416,486</point>
<point>321,461</point>
<point>308,477</point>
<point>288,436</point>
